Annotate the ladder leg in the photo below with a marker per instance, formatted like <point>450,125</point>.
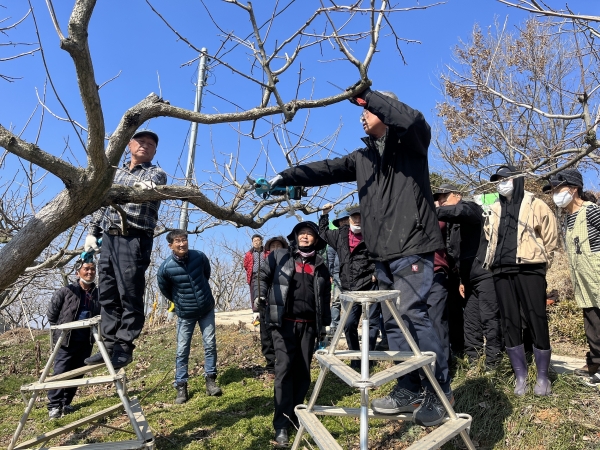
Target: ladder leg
<point>317,389</point>
<point>405,332</point>
<point>298,437</point>
<point>340,328</point>
<point>118,384</point>
<point>364,372</point>
<point>34,394</point>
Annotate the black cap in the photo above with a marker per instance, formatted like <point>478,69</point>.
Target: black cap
<point>567,177</point>
<point>352,209</point>
<point>284,242</point>
<point>320,244</point>
<point>445,188</point>
<point>149,133</point>
<point>503,172</point>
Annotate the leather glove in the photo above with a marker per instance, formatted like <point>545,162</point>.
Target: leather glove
<point>255,319</point>
<point>91,243</point>
<point>149,184</point>
<point>260,303</point>
<point>362,98</point>
<point>277,180</point>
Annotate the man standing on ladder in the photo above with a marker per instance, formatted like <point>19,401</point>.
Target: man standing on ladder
<point>126,250</point>
<point>401,232</point>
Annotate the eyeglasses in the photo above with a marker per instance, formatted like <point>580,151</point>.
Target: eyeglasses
<point>180,241</point>
<point>363,115</point>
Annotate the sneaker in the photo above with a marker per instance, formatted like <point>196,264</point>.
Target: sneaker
<point>182,394</point>
<point>594,380</point>
<point>120,359</point>
<point>431,412</point>
<point>96,358</point>
<point>400,400</point>
<point>55,413</point>
<point>587,371</point>
<point>211,386</point>
<point>67,409</point>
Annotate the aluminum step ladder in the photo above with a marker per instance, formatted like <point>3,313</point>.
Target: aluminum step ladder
<point>332,360</point>
<point>29,392</point>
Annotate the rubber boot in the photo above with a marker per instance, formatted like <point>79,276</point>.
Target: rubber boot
<point>519,365</point>
<point>542,362</point>
<point>211,386</point>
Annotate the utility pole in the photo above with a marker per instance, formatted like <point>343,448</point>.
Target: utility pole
<point>189,172</point>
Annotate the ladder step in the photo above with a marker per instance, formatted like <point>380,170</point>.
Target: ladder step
<point>75,373</point>
<point>121,445</point>
<point>414,363</point>
<point>369,296</point>
<point>316,429</point>
<point>138,414</point>
<point>74,383</point>
<point>77,324</point>
<point>50,434</point>
<point>375,356</point>
<point>344,372</point>
<point>355,412</point>
<point>443,433</point>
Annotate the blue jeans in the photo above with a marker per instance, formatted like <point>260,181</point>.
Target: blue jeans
<point>413,277</point>
<point>185,331</point>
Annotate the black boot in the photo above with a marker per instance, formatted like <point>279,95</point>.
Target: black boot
<point>97,358</point>
<point>542,362</point>
<point>211,386</point>
<point>281,438</point>
<point>519,365</point>
<point>182,394</point>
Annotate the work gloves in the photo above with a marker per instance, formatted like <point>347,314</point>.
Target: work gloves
<point>91,243</point>
<point>277,180</point>
<point>260,303</point>
<point>255,318</point>
<point>146,184</point>
<point>362,98</point>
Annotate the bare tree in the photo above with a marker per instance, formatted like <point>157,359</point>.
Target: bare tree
<point>337,28</point>
<point>527,98</point>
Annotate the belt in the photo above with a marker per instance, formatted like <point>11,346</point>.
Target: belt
<point>130,232</point>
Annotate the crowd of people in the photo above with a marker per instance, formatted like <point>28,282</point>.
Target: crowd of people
<point>472,280</point>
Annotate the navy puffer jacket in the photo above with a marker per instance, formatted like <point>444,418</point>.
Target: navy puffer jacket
<point>185,283</point>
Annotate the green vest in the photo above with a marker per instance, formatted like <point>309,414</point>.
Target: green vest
<point>583,264</point>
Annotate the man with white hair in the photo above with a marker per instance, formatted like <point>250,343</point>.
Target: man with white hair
<point>401,232</point>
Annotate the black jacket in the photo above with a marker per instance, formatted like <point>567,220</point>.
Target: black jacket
<point>466,241</point>
<point>356,269</point>
<point>275,278</point>
<point>396,204</point>
<point>185,283</point>
<point>64,308</point>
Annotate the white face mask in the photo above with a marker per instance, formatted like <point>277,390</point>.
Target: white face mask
<point>356,229</point>
<point>562,199</point>
<point>506,188</point>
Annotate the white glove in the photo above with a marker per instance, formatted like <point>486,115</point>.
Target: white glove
<point>91,243</point>
<point>144,184</point>
<point>255,317</point>
<point>277,180</point>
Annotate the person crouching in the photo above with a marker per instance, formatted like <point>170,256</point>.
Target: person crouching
<point>295,289</point>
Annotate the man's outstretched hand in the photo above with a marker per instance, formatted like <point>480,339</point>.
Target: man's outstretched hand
<point>362,97</point>
<point>327,208</point>
<point>277,180</point>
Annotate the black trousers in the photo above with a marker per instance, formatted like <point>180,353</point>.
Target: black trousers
<point>454,306</point>
<point>516,291</point>
<point>591,324</point>
<point>482,319</point>
<point>69,358</point>
<point>266,341</point>
<point>438,311</point>
<point>122,267</point>
<point>294,345</point>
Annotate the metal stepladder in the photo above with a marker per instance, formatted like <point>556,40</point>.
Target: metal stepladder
<point>332,360</point>
<point>141,429</point>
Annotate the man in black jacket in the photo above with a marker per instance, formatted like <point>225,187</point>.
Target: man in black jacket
<point>356,271</point>
<point>295,290</point>
<point>77,301</point>
<point>467,245</point>
<point>401,232</point>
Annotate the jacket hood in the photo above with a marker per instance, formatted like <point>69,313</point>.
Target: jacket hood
<point>281,239</point>
<point>320,244</point>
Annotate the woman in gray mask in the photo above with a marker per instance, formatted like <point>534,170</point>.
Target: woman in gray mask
<point>522,235</point>
<point>582,237</point>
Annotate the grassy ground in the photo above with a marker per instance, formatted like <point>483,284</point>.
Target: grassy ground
<point>241,418</point>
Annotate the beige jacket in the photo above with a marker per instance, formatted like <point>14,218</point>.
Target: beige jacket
<point>537,233</point>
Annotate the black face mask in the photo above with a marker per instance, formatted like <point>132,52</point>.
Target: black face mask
<point>306,249</point>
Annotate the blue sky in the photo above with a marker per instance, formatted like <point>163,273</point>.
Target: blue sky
<point>127,37</point>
